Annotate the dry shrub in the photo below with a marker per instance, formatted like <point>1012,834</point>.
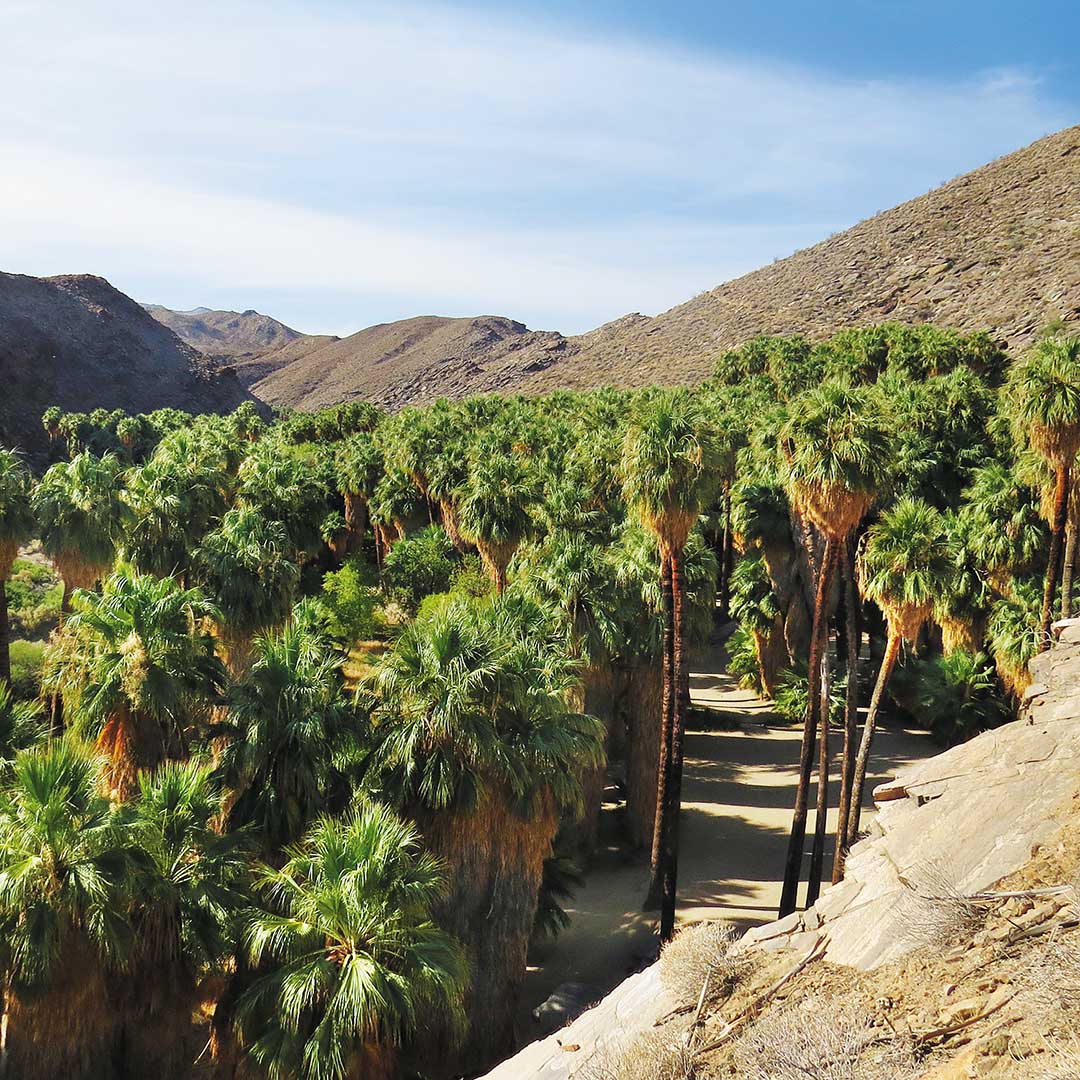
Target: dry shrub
<point>658,1054</point>
<point>1051,979</point>
<point>933,912</point>
<point>704,951</point>
<point>1062,1061</point>
<point>822,1040</point>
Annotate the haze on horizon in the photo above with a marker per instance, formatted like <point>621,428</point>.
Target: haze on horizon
<point>336,165</point>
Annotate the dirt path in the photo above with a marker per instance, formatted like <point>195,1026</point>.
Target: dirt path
<point>738,789</point>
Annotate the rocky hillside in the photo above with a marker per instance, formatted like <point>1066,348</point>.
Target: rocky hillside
<point>950,950</point>
<point>998,248</point>
<point>254,344</point>
<point>408,361</point>
<point>76,342</point>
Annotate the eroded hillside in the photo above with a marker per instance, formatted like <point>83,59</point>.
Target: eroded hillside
<point>997,249</point>
<point>78,343</point>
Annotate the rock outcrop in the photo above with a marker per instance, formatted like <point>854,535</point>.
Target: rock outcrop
<point>78,343</point>
<point>979,813</point>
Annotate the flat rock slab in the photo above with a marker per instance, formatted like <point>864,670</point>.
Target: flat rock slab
<point>970,816</point>
<point>634,1005</point>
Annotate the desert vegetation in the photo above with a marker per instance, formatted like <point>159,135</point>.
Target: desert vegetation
<point>306,717</point>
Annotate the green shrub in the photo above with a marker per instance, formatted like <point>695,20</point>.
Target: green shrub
<point>34,592</point>
<point>792,696</point>
<point>419,566</point>
<point>960,695</point>
<point>469,579</point>
<point>26,661</point>
<point>351,602</point>
<point>742,660</point>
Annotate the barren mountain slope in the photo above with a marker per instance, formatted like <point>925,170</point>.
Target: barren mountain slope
<point>408,361</point>
<point>76,342</point>
<point>225,333</point>
<point>998,248</point>
<point>250,369</point>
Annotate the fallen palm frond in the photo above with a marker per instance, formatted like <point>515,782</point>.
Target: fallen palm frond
<point>755,1006</point>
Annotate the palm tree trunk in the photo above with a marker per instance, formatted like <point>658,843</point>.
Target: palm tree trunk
<point>678,733</point>
<point>793,865</point>
<point>663,771</point>
<point>892,651</point>
<point>1053,569</point>
<point>821,816</point>
<point>851,720</point>
<point>642,712</point>
<point>726,550</point>
<point>494,859</point>
<point>1068,569</point>
<point>5,635</point>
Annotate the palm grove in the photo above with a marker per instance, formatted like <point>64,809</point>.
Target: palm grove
<point>332,699</point>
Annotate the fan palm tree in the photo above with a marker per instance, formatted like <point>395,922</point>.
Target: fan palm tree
<point>834,448</point>
<point>21,724</point>
<point>394,500</point>
<point>16,526</point>
<point>173,502</point>
<point>1044,392</point>
<point>63,921</point>
<point>357,967</point>
<point>79,513</point>
<point>245,565</point>
<point>1000,527</point>
<point>1013,631</point>
<point>905,567</point>
<point>494,510</point>
<point>753,604</point>
<point>358,466</point>
<point>285,488</point>
<point>246,422</point>
<point>186,891</point>
<point>670,468</point>
<point>577,577</point>
<point>286,734</point>
<point>447,472</point>
<point>472,739</point>
<point>136,667</point>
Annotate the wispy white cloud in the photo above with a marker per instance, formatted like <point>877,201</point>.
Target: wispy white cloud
<point>446,159</point>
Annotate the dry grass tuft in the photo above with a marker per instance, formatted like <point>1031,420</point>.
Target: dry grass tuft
<point>659,1054</point>
<point>824,1040</point>
<point>1051,979</point>
<point>1062,1061</point>
<point>933,912</point>
<point>700,953</point>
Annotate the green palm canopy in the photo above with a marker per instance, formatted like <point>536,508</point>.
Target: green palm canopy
<point>355,962</point>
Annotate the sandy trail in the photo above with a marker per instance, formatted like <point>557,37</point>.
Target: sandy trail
<point>738,789</point>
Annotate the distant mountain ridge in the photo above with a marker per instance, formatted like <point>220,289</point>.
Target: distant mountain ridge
<point>410,360</point>
<point>77,342</point>
<point>240,336</point>
<point>997,249</point>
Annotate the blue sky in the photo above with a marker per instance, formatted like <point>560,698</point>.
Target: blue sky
<point>339,163</point>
